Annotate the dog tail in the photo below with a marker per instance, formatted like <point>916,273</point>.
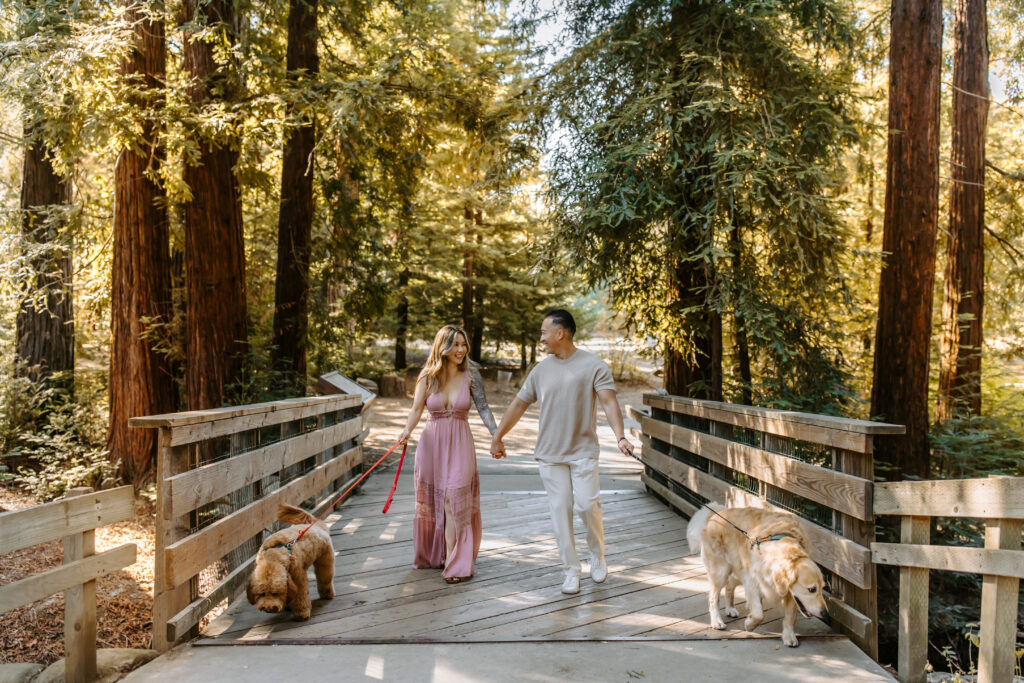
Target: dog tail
<point>697,523</point>
<point>293,515</point>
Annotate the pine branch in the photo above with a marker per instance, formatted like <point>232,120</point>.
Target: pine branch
<point>1005,174</point>
<point>1007,247</point>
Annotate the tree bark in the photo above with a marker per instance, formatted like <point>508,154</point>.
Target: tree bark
<point>902,337</point>
<point>468,317</point>
<point>140,377</point>
<point>216,324</point>
<point>403,320</point>
<point>45,324</point>
<point>963,303</point>
<point>295,220</point>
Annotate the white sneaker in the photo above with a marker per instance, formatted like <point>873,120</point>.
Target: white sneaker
<point>571,585</point>
<point>598,571</point>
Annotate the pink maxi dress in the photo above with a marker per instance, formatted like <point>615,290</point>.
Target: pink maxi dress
<point>447,486</point>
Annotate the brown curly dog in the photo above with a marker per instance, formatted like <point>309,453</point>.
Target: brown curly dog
<point>279,578</point>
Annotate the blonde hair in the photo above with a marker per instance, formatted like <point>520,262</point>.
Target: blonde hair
<point>444,342</point>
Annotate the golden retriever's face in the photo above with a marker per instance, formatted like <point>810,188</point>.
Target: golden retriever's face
<point>806,589</point>
<point>268,586</point>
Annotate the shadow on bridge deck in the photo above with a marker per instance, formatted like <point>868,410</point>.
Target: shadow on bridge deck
<point>389,621</point>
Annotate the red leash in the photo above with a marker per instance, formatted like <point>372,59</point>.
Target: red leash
<point>365,474</point>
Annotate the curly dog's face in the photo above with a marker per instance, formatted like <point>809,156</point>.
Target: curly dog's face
<point>268,586</point>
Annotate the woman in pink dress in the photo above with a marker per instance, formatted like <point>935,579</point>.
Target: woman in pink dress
<point>446,527</point>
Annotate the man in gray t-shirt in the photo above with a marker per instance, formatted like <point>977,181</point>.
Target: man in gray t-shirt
<point>568,384</point>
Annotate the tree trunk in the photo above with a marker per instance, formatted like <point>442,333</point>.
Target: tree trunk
<point>468,319</point>
<point>902,338</point>
<point>140,377</point>
<point>45,324</point>
<point>522,352</point>
<point>695,371</point>
<point>216,325</point>
<point>963,304</point>
<point>295,220</point>
<point>403,320</point>
<point>742,345</point>
<point>477,341</point>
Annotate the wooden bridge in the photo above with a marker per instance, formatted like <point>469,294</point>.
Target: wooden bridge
<point>222,473</point>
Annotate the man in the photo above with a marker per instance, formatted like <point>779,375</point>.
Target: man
<point>568,384</point>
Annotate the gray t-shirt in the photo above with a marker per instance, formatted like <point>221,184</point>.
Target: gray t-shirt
<point>567,392</point>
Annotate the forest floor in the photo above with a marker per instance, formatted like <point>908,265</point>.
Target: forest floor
<point>35,632</point>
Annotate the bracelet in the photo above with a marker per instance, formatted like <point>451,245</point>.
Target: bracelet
<point>622,438</point>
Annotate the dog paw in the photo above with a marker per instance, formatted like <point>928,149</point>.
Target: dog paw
<point>732,612</point>
<point>300,617</point>
<point>718,624</point>
<point>790,640</point>
<point>327,594</point>
<point>750,623</point>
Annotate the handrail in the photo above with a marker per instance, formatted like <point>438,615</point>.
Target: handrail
<point>1000,502</point>
<point>220,475</point>
<point>75,518</point>
<point>819,466</point>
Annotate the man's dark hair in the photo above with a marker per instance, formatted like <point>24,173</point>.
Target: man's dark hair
<point>563,319</point>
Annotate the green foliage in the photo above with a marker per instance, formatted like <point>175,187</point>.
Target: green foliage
<point>55,443</point>
<point>708,136</point>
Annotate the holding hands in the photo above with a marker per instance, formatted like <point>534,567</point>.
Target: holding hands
<point>498,448</point>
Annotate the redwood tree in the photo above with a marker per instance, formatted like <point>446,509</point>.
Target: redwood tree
<point>216,327</point>
<point>902,338</point>
<point>140,376</point>
<point>45,329</point>
<point>295,221</point>
<point>963,304</point>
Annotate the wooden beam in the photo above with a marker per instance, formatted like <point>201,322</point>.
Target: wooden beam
<point>852,621</point>
<point>189,490</point>
<point>181,623</point>
<point>188,556</point>
<point>951,558</point>
<point>862,532</point>
<point>168,599</point>
<point>46,522</point>
<point>687,508</point>
<point>836,490</point>
<point>999,606</point>
<point>997,497</point>
<point>321,404</point>
<point>839,555</point>
<point>823,429</point>
<point>912,651</point>
<point>58,579</point>
<point>80,607</point>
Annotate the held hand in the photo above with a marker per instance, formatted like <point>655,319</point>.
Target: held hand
<point>497,449</point>
<point>625,447</point>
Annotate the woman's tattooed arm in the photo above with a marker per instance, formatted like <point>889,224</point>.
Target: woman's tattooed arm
<point>476,389</point>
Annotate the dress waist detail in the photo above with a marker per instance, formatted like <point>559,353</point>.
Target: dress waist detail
<point>449,414</point>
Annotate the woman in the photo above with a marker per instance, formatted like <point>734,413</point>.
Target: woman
<point>446,527</point>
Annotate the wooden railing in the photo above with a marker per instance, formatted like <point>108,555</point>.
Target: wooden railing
<point>819,467</point>
<point>220,475</point>
<point>1000,502</point>
<point>75,519</point>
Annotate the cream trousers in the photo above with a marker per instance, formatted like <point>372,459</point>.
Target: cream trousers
<point>574,486</point>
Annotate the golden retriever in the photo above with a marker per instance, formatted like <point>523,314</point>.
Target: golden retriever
<point>279,578</point>
<point>770,561</point>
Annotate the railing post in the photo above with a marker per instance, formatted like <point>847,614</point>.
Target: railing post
<point>864,600</point>
<point>913,633</point>
<point>80,608</point>
<point>167,600</point>
<point>998,608</point>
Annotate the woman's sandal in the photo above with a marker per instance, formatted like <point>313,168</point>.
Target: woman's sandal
<point>457,579</point>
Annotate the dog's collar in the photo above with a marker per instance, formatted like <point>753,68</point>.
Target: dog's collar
<point>286,546</point>
<point>764,539</point>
